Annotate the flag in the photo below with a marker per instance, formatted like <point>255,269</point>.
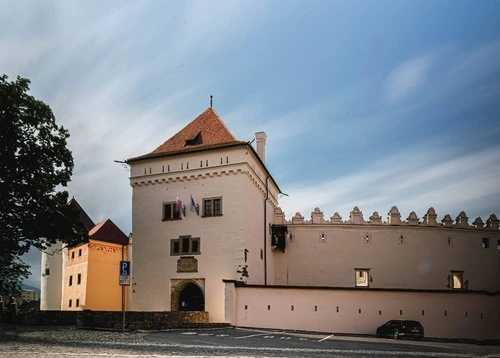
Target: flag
<point>178,205</point>
<point>192,202</point>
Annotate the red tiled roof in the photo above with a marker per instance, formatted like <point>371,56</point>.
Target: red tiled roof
<point>84,218</point>
<point>107,231</point>
<point>206,131</point>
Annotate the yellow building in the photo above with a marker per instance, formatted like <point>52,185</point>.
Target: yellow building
<point>91,270</point>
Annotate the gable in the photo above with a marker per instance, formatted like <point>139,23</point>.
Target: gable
<point>107,231</point>
<point>207,131</point>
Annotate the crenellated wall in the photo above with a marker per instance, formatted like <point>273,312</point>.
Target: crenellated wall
<point>393,218</point>
<point>393,254</point>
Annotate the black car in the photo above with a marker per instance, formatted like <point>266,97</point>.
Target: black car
<point>401,328</point>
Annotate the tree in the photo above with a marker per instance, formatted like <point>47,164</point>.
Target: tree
<point>34,165</point>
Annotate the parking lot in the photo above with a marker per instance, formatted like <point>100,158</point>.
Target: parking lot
<point>230,342</point>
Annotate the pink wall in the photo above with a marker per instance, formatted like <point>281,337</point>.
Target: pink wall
<point>470,315</point>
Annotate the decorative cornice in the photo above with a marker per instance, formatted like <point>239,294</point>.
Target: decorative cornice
<point>205,173</point>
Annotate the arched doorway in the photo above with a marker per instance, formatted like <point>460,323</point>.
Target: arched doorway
<point>191,298</point>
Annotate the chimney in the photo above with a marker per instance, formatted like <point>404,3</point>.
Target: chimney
<point>260,138</point>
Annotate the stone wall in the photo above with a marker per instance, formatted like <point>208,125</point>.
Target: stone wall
<point>40,318</point>
<point>142,320</point>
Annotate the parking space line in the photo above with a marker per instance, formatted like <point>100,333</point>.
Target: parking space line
<point>323,339</point>
<point>252,335</point>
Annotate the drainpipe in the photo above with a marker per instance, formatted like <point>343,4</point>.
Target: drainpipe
<point>265,231</point>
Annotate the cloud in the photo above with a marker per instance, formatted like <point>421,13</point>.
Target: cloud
<point>407,78</point>
<point>413,181</point>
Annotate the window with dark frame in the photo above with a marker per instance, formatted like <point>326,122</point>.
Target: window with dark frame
<point>185,245</point>
<point>486,243</point>
<point>212,207</point>
<point>171,211</point>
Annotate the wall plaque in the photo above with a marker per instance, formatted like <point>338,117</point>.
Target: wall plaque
<point>187,264</point>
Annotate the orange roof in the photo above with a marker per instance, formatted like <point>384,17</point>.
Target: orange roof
<point>207,131</point>
<point>107,231</point>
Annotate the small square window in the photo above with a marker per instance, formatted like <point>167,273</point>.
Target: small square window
<point>172,211</point>
<point>212,207</point>
<point>457,280</point>
<point>47,271</point>
<point>362,277</point>
<point>486,243</point>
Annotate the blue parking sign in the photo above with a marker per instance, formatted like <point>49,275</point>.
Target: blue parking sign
<point>125,273</point>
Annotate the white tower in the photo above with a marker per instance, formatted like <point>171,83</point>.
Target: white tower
<point>51,278</point>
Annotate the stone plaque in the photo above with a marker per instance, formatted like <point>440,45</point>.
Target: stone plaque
<point>187,264</point>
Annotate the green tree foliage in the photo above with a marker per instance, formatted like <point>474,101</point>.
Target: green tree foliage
<point>34,165</point>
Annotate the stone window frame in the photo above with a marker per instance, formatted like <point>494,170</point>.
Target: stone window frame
<point>174,215</point>
<point>457,280</point>
<point>362,277</point>
<point>212,207</point>
<point>177,246</point>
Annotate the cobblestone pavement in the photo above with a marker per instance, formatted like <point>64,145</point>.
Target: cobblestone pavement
<point>59,342</point>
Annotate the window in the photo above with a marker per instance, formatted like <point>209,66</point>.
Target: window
<point>185,245</point>
<point>72,254</point>
<point>80,252</point>
<point>47,271</point>
<point>77,302</point>
<point>498,245</point>
<point>79,280</point>
<point>362,277</point>
<point>486,243</point>
<point>70,303</point>
<point>171,211</point>
<point>212,207</point>
<point>457,280</point>
<point>71,280</point>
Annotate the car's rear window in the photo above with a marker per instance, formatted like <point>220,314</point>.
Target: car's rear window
<point>413,323</point>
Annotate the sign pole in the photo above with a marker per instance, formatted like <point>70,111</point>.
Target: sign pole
<point>124,281</point>
<point>123,294</point>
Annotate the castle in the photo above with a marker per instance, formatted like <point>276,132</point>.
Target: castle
<point>209,235</point>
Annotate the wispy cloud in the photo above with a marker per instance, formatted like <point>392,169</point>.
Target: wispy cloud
<point>413,182</point>
<point>407,78</point>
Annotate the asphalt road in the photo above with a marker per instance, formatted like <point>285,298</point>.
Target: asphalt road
<point>224,343</point>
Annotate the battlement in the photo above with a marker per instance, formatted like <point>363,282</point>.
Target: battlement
<point>393,218</point>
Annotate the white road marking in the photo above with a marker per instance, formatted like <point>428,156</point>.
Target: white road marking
<point>205,334</point>
<point>189,333</point>
<point>250,336</point>
<point>284,337</point>
<point>222,335</point>
<point>324,339</point>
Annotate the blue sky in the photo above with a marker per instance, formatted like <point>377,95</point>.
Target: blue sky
<point>366,103</point>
